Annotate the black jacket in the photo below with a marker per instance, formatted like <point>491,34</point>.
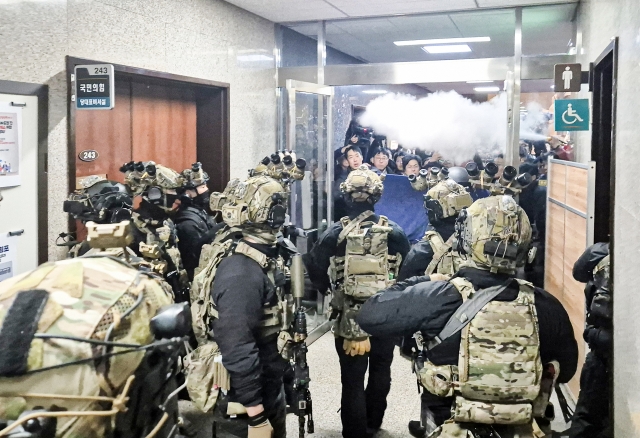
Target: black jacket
<point>192,223</point>
<point>318,260</point>
<point>421,253</point>
<point>418,304</point>
<point>584,266</point>
<point>240,290</point>
<point>533,201</point>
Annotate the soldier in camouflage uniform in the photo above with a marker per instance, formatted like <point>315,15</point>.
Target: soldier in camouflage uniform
<point>433,253</point>
<point>491,345</point>
<point>154,232</point>
<point>89,347</point>
<point>193,220</point>
<point>100,201</point>
<point>358,256</point>
<point>240,308</point>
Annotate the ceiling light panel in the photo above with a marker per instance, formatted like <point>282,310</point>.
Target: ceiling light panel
<point>436,41</point>
<point>449,48</point>
<point>486,89</point>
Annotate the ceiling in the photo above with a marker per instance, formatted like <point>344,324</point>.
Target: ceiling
<point>545,29</point>
<point>289,11</point>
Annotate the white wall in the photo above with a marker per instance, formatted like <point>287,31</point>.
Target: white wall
<point>601,20</point>
<point>198,38</point>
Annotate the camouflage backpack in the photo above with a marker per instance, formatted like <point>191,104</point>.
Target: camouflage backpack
<point>499,372</point>
<point>45,316</point>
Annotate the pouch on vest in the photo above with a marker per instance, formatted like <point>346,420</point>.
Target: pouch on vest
<point>366,264</point>
<point>206,376</point>
<point>439,380</point>
<point>470,411</point>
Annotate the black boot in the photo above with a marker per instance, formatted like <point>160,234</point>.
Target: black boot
<point>416,430</point>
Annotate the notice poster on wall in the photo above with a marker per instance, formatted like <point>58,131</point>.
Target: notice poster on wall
<point>10,138</point>
<point>8,256</point>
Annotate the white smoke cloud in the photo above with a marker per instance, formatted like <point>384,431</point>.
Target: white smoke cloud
<point>535,125</point>
<point>443,121</point>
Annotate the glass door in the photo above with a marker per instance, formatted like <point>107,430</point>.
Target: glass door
<point>307,132</point>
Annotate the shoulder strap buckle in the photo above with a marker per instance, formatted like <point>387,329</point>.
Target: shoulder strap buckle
<point>353,224</point>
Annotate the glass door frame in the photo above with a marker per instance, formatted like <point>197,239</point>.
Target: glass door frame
<point>293,87</point>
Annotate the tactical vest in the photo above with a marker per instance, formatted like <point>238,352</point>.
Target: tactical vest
<point>499,372</point>
<point>366,268</point>
<point>445,260</point>
<point>160,249</point>
<point>275,318</point>
<point>209,250</point>
<point>205,373</point>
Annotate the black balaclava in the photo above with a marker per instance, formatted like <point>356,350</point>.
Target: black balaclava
<point>445,227</point>
<point>202,201</point>
<point>355,208</point>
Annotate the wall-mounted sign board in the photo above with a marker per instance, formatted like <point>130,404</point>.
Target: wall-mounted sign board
<point>95,86</point>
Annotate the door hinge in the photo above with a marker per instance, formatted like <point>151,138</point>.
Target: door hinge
<point>16,233</point>
<point>73,77</point>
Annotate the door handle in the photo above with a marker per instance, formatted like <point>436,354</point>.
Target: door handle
<point>16,233</point>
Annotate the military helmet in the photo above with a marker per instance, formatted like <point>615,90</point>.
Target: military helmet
<point>82,334</point>
<point>139,176</point>
<point>157,184</point>
<point>446,199</point>
<point>495,233</point>
<point>260,200</point>
<point>195,176</point>
<point>362,185</point>
<point>218,200</point>
<point>459,175</point>
<point>99,200</point>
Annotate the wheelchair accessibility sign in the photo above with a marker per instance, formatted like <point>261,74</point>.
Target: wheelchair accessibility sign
<point>571,115</point>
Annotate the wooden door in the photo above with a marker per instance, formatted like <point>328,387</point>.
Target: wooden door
<point>163,120</point>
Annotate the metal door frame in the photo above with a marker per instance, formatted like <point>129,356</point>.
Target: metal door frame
<point>292,86</point>
<point>41,91</point>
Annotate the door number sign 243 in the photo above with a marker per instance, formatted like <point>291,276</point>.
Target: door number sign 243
<point>88,156</point>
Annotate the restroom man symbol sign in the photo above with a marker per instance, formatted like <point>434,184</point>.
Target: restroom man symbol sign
<point>568,77</point>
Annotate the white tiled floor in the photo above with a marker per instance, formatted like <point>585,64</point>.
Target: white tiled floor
<point>404,401</point>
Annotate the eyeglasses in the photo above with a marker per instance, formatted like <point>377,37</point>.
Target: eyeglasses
<point>381,158</point>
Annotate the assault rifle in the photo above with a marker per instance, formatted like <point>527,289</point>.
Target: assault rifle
<point>301,398</point>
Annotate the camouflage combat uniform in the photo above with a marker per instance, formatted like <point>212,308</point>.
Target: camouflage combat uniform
<point>356,257</point>
<point>497,370</point>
